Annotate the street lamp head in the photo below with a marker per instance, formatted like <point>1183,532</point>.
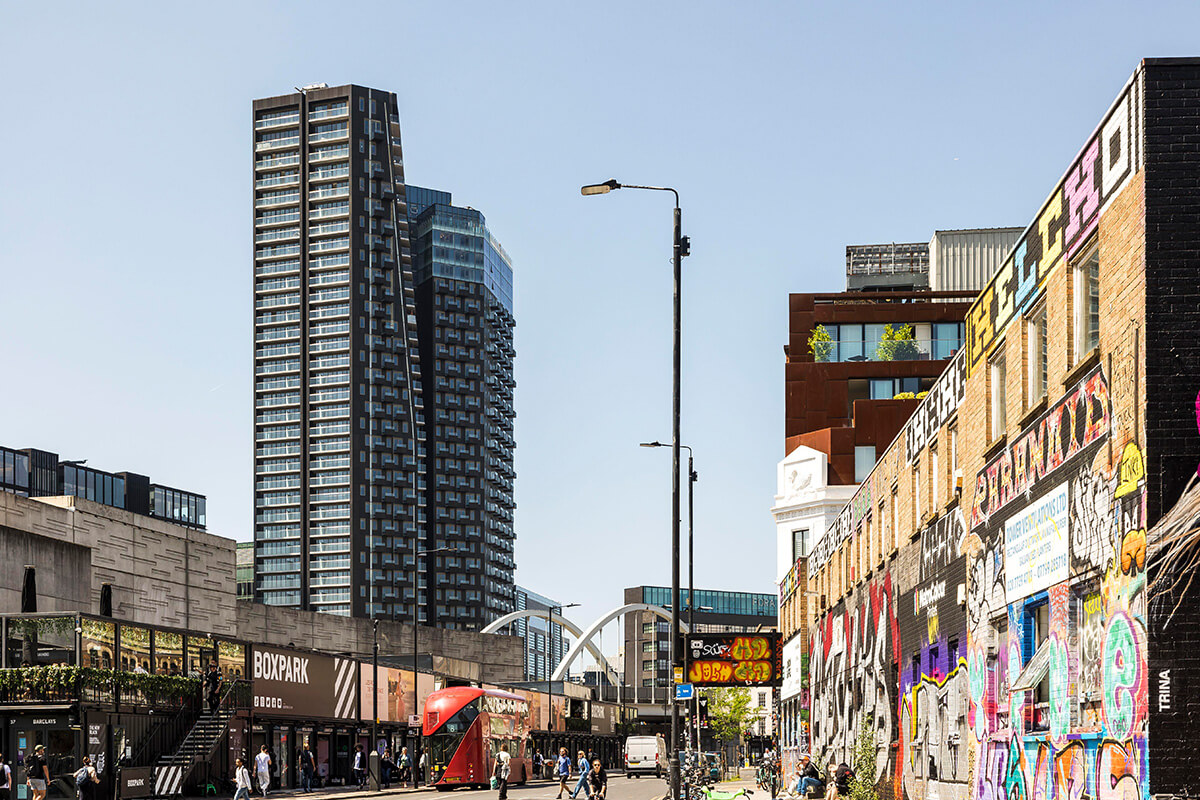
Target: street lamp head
<point>652,444</point>
<point>599,188</point>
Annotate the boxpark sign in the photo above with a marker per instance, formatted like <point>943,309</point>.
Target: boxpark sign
<point>290,683</point>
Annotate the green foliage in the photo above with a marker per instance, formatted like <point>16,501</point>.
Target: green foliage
<point>897,344</point>
<point>820,344</point>
<point>31,683</point>
<point>729,712</point>
<point>863,785</point>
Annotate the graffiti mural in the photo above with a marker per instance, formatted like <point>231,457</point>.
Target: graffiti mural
<point>852,656</point>
<point>1058,686</point>
<point>933,758</point>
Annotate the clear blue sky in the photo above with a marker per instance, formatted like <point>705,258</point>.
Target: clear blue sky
<point>790,129</point>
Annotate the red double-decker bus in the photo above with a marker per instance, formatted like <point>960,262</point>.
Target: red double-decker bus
<point>464,728</point>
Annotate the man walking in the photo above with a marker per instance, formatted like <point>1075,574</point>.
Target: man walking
<point>37,773</point>
<point>262,766</point>
<point>585,767</point>
<point>307,767</point>
<point>5,779</point>
<point>360,766</point>
<point>212,682</point>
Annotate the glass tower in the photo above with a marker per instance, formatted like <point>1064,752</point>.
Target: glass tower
<point>465,318</point>
<point>338,419</point>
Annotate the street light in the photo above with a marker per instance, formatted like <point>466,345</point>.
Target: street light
<point>693,476</point>
<point>681,248</point>
<point>415,619</point>
<point>549,668</point>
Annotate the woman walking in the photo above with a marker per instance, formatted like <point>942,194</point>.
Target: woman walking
<point>564,772</point>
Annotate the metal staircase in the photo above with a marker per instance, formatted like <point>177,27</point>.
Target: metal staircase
<point>197,746</point>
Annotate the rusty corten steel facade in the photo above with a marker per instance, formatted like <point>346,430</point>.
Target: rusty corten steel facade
<point>817,402</point>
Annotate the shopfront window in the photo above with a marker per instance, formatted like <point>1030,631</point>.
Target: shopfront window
<point>231,660</point>
<point>199,652</point>
<point>168,653</point>
<point>135,648</point>
<point>99,643</point>
<point>33,641</point>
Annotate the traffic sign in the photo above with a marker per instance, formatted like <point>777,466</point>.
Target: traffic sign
<point>684,691</point>
<point>679,674</point>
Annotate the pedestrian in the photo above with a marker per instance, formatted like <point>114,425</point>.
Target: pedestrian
<point>597,781</point>
<point>307,767</point>
<point>808,781</point>
<point>386,765</point>
<point>241,777</point>
<point>503,760</point>
<point>5,779</point>
<point>37,773</point>
<point>360,766</point>
<point>85,780</point>
<point>262,766</point>
<point>537,762</point>
<point>212,682</point>
<point>842,778</point>
<point>404,767</point>
<point>420,772</point>
<point>564,771</point>
<point>585,767</point>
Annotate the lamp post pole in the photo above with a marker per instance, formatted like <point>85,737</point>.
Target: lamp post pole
<point>692,478</point>
<point>413,758</point>
<point>549,650</point>
<point>374,689</point>
<point>681,248</point>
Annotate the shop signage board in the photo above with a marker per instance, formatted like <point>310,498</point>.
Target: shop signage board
<point>735,659</point>
<point>137,782</point>
<point>300,683</point>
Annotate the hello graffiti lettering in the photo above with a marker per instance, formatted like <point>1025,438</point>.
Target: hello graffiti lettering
<point>1078,420</point>
<point>1063,225</point>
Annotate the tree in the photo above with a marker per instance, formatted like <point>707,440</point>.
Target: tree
<point>820,344</point>
<point>863,785</point>
<point>729,712</point>
<point>897,344</point>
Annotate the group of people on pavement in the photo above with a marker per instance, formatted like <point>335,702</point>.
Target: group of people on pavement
<point>400,768</point>
<point>811,783</point>
<point>37,776</point>
<point>593,779</point>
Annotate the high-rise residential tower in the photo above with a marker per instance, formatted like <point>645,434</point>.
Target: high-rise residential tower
<point>339,467</point>
<point>464,283</point>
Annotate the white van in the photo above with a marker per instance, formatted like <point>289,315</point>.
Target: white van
<point>645,755</point>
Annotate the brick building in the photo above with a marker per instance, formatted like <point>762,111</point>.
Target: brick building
<point>997,603</point>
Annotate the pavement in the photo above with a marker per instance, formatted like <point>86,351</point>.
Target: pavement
<point>619,788</point>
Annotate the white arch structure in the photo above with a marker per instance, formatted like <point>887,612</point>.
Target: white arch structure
<point>571,628</point>
<point>584,639</point>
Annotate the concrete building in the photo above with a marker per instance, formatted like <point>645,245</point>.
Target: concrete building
<point>339,424</point>
<point>1006,600</point>
<point>544,643</point>
<point>39,473</point>
<point>464,296</point>
<point>245,571</point>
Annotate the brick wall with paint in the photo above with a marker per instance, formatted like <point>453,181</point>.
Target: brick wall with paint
<point>1035,680</point>
<point>1172,381</point>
